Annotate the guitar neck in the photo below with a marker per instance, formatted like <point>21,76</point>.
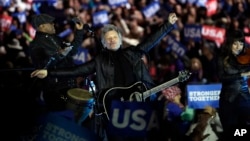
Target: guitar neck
<point>154,90</point>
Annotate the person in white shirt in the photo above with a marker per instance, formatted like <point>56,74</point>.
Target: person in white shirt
<point>207,127</point>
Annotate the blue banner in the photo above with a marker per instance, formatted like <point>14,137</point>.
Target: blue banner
<point>135,119</point>
<point>56,127</point>
<point>200,96</point>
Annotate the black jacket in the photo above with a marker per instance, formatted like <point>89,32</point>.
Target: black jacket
<point>45,46</point>
<point>44,54</point>
<point>103,66</point>
<point>233,85</point>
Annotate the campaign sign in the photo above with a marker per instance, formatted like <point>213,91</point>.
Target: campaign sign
<point>100,18</point>
<point>201,3</point>
<point>5,22</point>
<point>31,31</point>
<point>200,96</point>
<point>5,3</point>
<point>247,33</point>
<point>175,46</point>
<point>192,32</point>
<point>117,3</point>
<point>135,119</point>
<point>213,33</point>
<point>56,127</point>
<point>151,9</point>
<point>81,56</point>
<point>212,6</point>
<point>21,16</point>
<point>247,39</point>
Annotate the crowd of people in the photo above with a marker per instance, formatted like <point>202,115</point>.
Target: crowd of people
<point>48,39</point>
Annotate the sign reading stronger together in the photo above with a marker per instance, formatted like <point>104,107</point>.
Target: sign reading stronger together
<point>200,96</point>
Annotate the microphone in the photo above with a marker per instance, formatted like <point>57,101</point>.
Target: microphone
<point>75,20</point>
<point>49,62</point>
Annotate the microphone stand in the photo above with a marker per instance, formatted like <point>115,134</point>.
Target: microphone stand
<point>45,67</point>
<point>97,123</point>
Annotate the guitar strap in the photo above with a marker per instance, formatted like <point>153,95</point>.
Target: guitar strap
<point>138,57</point>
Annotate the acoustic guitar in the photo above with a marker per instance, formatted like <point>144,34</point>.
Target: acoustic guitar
<point>136,92</point>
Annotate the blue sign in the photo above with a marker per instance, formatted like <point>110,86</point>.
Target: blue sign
<point>175,46</point>
<point>135,119</point>
<point>192,32</point>
<point>56,127</point>
<point>81,56</point>
<point>5,3</point>
<point>21,16</point>
<point>151,9</point>
<point>100,18</point>
<point>199,96</point>
<point>116,3</point>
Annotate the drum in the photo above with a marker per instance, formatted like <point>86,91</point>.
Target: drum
<point>80,101</point>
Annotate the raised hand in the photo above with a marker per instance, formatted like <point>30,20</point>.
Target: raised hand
<point>78,23</point>
<point>172,18</point>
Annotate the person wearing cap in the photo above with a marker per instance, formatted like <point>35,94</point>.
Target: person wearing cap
<point>49,50</point>
<point>115,66</point>
<point>178,115</point>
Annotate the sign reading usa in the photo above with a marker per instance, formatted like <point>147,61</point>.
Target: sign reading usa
<point>200,96</point>
<point>192,32</point>
<point>135,119</point>
<point>213,33</point>
<point>176,46</point>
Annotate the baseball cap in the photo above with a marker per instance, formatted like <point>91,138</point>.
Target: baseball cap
<point>37,20</point>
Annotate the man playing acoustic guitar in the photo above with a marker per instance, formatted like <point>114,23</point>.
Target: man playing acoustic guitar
<point>116,66</point>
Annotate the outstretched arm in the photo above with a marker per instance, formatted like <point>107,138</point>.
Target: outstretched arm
<point>39,73</point>
<point>156,37</point>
